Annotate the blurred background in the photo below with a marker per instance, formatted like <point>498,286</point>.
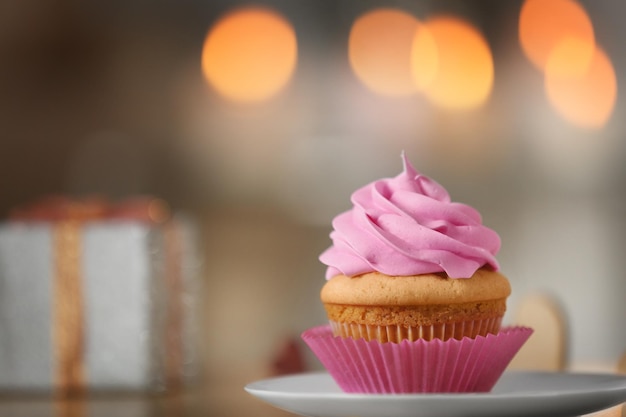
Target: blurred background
<point>261,117</point>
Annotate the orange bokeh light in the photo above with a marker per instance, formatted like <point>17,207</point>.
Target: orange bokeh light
<point>250,54</point>
<point>424,58</point>
<point>379,51</point>
<point>586,100</point>
<point>544,24</point>
<point>452,62</point>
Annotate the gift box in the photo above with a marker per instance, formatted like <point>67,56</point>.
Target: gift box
<point>96,296</point>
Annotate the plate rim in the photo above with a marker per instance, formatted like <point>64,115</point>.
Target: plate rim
<point>614,377</point>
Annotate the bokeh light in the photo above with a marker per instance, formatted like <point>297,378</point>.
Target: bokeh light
<point>379,49</point>
<point>586,100</point>
<point>424,57</point>
<point>544,24</point>
<point>570,57</point>
<point>250,54</point>
<point>456,73</point>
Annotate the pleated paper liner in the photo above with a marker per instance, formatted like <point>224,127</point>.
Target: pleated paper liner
<point>444,331</point>
<point>420,366</point>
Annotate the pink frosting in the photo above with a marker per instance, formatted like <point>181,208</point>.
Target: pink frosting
<point>407,225</point>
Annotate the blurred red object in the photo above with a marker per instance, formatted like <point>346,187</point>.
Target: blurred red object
<point>142,208</point>
<point>59,208</point>
<point>289,359</point>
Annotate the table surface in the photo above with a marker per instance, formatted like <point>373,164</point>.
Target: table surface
<point>209,402</point>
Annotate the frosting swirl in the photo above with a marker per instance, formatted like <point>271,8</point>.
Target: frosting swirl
<point>407,225</point>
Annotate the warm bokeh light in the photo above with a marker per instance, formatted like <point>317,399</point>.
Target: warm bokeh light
<point>587,100</point>
<point>424,57</point>
<point>250,54</point>
<point>379,50</point>
<point>544,24</point>
<point>570,57</point>
<point>458,72</point>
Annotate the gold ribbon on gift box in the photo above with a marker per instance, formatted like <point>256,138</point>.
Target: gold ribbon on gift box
<point>68,310</point>
<point>68,320</point>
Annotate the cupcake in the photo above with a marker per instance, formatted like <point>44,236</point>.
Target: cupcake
<point>414,295</point>
<point>389,308</point>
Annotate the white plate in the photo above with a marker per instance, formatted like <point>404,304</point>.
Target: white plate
<point>525,394</point>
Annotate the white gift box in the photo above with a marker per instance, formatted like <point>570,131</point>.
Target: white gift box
<point>101,305</point>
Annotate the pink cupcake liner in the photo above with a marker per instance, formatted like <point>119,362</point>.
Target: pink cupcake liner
<point>466,365</point>
<point>444,331</point>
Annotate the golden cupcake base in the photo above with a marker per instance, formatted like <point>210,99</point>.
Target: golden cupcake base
<point>395,333</point>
